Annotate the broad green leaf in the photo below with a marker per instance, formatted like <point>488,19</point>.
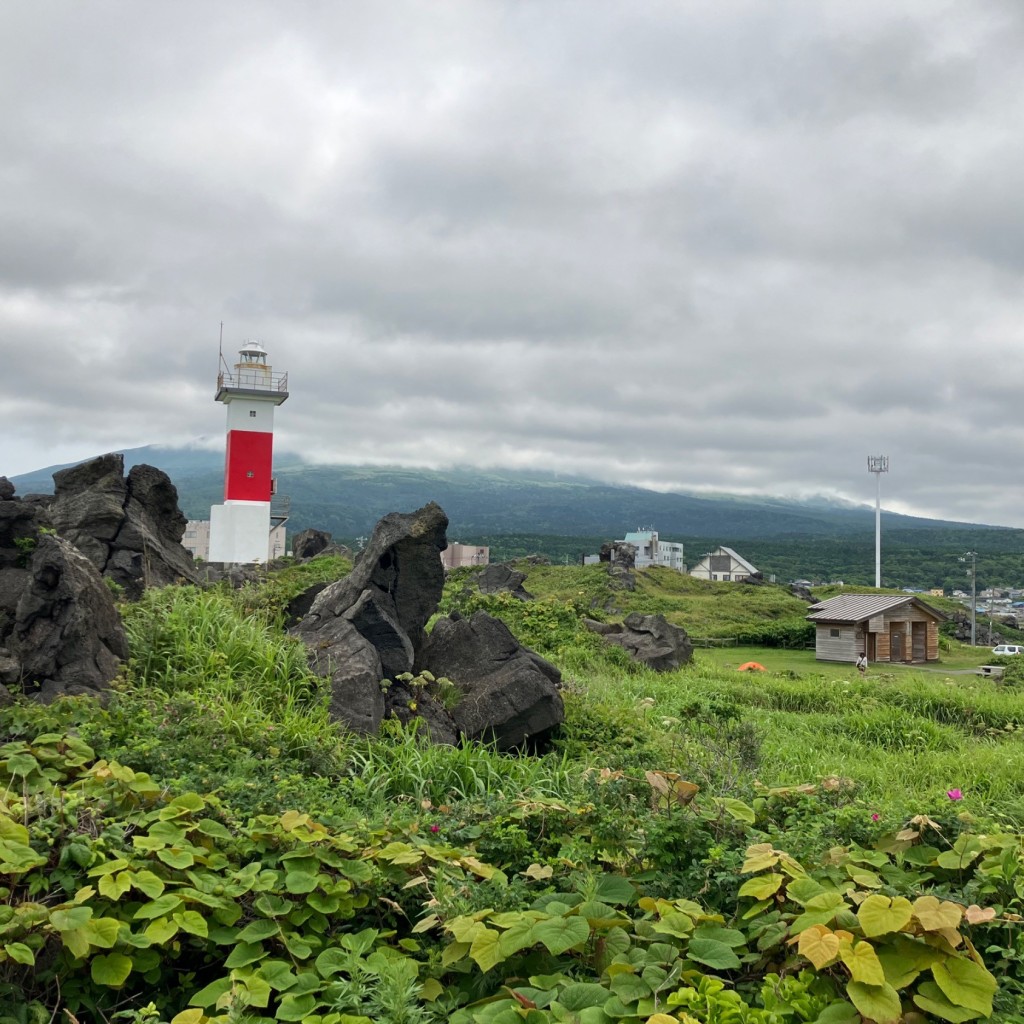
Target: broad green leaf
<point>965,983</point>
<point>257,931</point>
<point>614,889</point>
<point>162,930</point>
<point>300,882</point>
<point>323,904</point>
<point>879,915</point>
<point>115,886</point>
<point>245,953</point>
<point>730,936</point>
<point>759,857</point>
<point>834,1013</point>
<point>20,953</point>
<point>188,1017</point>
<point>22,764</point>
<point>736,809</point>
<point>295,1007</point>
<point>629,987</point>
<point>561,933</point>
<point>485,949</point>
<point>932,1000</point>
<point>278,974</point>
<point>110,970</point>
<point>713,954</point>
<point>879,1003</point>
<point>67,920</point>
<point>332,961</point>
<point>148,884</point>
<point>862,962</point>
<point>157,908</point>
<point>176,858</point>
<point>819,944</point>
<point>209,994</point>
<point>101,931</point>
<point>212,828</point>
<point>75,942</point>
<point>518,937</point>
<point>192,922</point>
<point>580,995</point>
<point>934,915</point>
<point>761,886</point>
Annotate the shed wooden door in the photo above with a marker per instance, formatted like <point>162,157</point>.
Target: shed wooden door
<point>895,646</point>
<point>919,636</point>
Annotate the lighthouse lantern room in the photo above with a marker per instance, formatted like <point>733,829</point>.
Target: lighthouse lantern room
<point>240,528</point>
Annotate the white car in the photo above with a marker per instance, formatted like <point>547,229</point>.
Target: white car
<point>1008,649</point>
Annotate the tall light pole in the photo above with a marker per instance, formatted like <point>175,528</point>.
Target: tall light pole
<point>973,556</point>
<point>878,464</point>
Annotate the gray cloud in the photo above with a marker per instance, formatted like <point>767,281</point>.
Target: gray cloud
<point>730,247</point>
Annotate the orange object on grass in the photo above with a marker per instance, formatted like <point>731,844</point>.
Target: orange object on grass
<point>747,666</point>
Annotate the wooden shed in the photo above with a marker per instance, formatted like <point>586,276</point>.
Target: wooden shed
<point>887,628</point>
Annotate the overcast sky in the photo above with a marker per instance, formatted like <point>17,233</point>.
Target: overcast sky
<point>729,246</point>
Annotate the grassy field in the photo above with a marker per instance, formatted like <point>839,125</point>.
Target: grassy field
<point>208,847</point>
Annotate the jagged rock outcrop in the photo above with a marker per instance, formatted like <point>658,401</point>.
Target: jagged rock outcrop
<point>649,639</point>
<point>984,635</point>
<point>802,592</point>
<point>129,528</point>
<point>620,558</point>
<point>510,695</point>
<point>499,578</point>
<point>756,579</point>
<point>310,543</point>
<point>60,632</point>
<point>369,627</point>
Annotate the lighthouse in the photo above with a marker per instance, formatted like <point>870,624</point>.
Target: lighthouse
<point>240,528</point>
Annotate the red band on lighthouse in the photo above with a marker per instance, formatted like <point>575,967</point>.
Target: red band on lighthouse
<point>248,466</point>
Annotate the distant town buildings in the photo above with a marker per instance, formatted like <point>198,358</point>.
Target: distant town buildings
<point>723,565</point>
<point>652,550</point>
<point>457,555</point>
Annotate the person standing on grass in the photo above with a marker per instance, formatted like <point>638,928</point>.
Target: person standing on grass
<point>862,663</point>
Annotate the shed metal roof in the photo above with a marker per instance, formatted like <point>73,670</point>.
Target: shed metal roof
<point>857,607</point>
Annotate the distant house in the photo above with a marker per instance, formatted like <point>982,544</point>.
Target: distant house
<point>892,628</point>
<point>652,550</point>
<point>457,555</point>
<point>724,565</point>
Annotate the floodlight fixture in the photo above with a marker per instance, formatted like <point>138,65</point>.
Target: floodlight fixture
<point>878,464</point>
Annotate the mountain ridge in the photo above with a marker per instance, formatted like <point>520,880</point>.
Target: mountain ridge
<point>348,499</point>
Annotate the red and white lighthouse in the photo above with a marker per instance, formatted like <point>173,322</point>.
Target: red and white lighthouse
<point>240,528</point>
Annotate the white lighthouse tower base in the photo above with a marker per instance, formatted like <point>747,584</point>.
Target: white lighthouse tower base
<point>240,531</point>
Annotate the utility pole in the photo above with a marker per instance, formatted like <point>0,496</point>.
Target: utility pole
<point>973,556</point>
<point>878,464</point>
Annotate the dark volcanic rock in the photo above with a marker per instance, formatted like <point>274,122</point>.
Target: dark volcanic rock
<point>129,528</point>
<point>802,592</point>
<point>369,626</point>
<point>649,639</point>
<point>310,543</point>
<point>498,578</point>
<point>510,694</point>
<point>756,579</point>
<point>60,632</point>
<point>386,600</point>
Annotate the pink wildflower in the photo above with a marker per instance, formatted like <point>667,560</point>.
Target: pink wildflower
<point>875,817</point>
<point>954,794</point>
<point>435,828</point>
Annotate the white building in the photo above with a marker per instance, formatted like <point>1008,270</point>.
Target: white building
<point>651,550</point>
<point>723,565</point>
<point>197,540</point>
<point>457,555</point>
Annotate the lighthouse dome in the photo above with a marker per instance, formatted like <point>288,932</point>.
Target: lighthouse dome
<point>253,352</point>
